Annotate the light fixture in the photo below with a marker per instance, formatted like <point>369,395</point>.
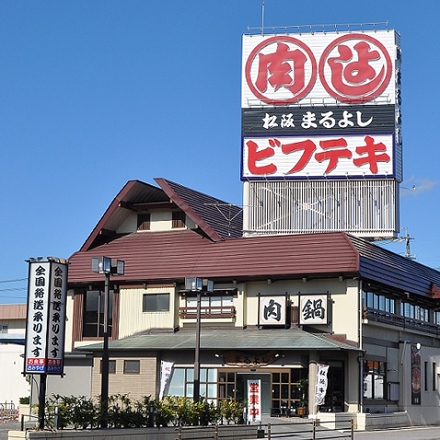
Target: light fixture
<point>107,267</point>
<point>101,265</point>
<point>304,280</point>
<point>198,285</point>
<point>195,284</point>
<point>269,281</point>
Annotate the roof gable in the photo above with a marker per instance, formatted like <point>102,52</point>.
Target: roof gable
<point>216,218</point>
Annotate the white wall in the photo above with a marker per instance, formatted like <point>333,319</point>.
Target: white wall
<point>13,384</point>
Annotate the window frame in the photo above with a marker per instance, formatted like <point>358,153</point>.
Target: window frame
<point>178,219</point>
<point>144,221</point>
<point>157,296</point>
<point>132,370</point>
<point>376,370</point>
<point>98,312</point>
<point>111,366</point>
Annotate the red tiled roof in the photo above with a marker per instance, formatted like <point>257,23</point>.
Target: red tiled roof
<point>218,251</point>
<point>172,255</point>
<point>216,218</point>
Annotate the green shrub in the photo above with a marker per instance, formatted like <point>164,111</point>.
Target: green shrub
<point>83,413</point>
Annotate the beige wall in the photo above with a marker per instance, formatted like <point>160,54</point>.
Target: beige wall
<point>344,295</point>
<point>69,321</point>
<point>133,320</point>
<point>159,221</point>
<point>136,385</point>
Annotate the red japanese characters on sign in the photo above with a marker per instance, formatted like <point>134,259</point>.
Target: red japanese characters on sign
<point>347,72</point>
<point>282,67</point>
<point>254,400</point>
<point>301,156</point>
<point>318,69</point>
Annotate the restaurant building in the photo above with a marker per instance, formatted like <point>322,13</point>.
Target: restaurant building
<point>284,310</point>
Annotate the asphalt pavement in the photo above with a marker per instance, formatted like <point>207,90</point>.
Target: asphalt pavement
<point>412,433</point>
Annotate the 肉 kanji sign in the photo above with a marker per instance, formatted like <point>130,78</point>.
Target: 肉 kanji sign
<point>319,69</point>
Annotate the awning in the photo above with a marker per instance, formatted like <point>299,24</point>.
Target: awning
<point>232,339</point>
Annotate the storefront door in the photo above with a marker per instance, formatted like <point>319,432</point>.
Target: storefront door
<point>264,391</point>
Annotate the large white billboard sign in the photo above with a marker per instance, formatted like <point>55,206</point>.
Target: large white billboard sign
<point>319,69</point>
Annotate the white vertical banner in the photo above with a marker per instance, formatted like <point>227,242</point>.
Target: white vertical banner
<point>321,384</point>
<point>254,400</point>
<point>166,369</point>
<point>57,318</point>
<point>37,317</point>
<point>46,316</point>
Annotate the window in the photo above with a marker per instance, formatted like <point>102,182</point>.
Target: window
<point>111,366</point>
<point>227,387</point>
<point>132,367</point>
<point>211,301</point>
<point>156,302</point>
<point>426,376</point>
<point>93,317</point>
<point>378,302</point>
<point>374,379</point>
<point>412,311</point>
<point>178,219</point>
<point>143,222</point>
<point>434,376</point>
<point>182,383</point>
<point>288,390</point>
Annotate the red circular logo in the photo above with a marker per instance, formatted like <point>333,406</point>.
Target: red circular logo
<point>355,68</point>
<point>280,70</point>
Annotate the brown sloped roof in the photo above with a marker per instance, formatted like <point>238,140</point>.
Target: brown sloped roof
<point>390,269</point>
<point>173,255</point>
<point>215,217</point>
<point>219,253</point>
<point>134,191</point>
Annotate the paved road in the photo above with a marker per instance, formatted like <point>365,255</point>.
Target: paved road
<point>420,433</point>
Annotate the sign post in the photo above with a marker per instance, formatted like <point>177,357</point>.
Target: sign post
<point>45,322</point>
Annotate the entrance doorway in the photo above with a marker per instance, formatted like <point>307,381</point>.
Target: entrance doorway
<point>242,389</point>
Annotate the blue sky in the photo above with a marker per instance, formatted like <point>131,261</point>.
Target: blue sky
<point>96,93</point>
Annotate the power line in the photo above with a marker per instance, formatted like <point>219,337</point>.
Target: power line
<point>13,281</point>
<point>13,289</point>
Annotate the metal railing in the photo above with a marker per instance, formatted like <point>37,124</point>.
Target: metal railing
<point>207,312</point>
<point>304,430</point>
<point>8,411</point>
<point>400,321</point>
